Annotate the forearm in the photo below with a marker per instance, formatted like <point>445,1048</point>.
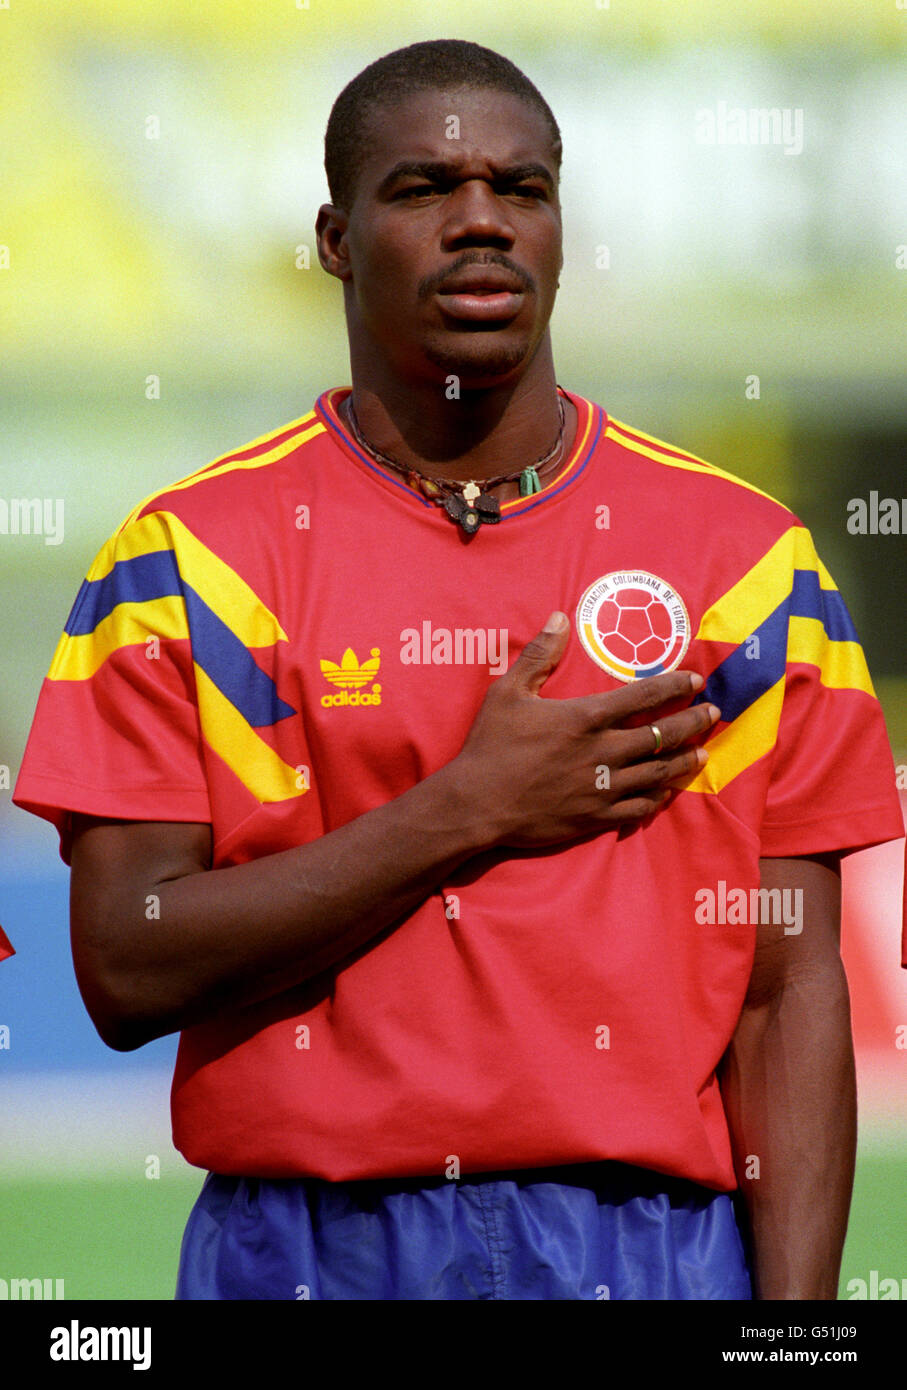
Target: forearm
<point>226,937</point>
<point>223,938</point>
<point>788,1083</point>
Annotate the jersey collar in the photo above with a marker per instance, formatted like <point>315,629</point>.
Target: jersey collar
<point>591,422</point>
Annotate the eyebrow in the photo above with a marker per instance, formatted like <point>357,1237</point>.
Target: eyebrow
<point>437,171</point>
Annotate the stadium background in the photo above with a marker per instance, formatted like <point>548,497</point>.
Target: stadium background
<point>173,251</point>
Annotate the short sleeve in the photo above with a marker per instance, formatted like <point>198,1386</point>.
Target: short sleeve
<point>117,731</point>
<point>833,784</point>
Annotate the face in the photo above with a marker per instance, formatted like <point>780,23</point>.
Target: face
<point>451,251</point>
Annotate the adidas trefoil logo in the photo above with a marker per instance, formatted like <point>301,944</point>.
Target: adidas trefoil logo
<point>350,676</point>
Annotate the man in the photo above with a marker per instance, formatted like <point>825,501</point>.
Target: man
<point>478,996</point>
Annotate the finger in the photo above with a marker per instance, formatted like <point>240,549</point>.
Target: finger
<point>539,657</point>
<point>640,696</point>
<point>658,772</point>
<point>637,807</point>
<point>675,729</point>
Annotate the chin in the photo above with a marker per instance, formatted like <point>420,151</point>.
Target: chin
<point>482,362</point>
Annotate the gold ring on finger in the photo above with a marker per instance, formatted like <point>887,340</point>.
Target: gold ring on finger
<point>659,741</point>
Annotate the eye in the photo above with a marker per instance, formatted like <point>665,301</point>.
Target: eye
<point>527,190</point>
<point>417,190</point>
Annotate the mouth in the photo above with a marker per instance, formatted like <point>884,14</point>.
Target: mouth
<point>482,295</point>
<point>480,303</point>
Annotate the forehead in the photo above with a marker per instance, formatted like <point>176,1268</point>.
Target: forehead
<point>455,126</point>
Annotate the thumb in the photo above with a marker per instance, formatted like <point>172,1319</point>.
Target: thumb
<point>539,657</point>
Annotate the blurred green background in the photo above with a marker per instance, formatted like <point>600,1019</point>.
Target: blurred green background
<point>160,171</point>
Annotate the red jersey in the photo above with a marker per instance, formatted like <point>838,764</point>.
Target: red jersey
<point>293,636</point>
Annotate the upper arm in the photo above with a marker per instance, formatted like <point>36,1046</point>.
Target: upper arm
<point>809,939</point>
<point>116,866</point>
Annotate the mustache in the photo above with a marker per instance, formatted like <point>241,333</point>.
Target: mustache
<point>432,283</point>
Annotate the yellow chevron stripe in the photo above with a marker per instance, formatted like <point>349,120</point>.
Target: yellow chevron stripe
<point>842,665</point>
<point>742,743</point>
<point>212,470</point>
<point>256,765</point>
<point>700,466</point>
<point>129,625</point>
<point>737,614</point>
<point>225,593</point>
<point>660,443</point>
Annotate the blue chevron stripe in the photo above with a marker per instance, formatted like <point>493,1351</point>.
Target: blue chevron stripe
<point>739,680</point>
<point>145,577</point>
<point>215,647</point>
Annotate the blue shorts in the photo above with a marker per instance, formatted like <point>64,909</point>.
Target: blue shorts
<point>586,1231</point>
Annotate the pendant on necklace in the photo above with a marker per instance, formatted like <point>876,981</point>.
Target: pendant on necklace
<point>472,507</point>
<point>529,482</point>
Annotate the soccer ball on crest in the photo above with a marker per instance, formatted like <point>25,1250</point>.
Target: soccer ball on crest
<point>635,627</point>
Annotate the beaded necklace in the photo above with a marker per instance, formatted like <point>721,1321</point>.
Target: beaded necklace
<point>470,505</point>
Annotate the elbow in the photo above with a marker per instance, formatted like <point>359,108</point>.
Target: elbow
<point>121,1020</point>
<point>123,1035</point>
<point>121,1030</point>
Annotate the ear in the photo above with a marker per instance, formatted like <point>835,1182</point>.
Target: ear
<point>330,239</point>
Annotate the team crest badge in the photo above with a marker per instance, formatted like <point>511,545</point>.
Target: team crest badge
<point>633,624</point>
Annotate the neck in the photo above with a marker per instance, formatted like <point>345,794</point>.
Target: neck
<point>482,434</point>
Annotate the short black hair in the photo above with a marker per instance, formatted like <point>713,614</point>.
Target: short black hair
<point>431,66</point>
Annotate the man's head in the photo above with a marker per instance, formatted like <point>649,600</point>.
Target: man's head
<point>442,64</point>
<point>443,162</point>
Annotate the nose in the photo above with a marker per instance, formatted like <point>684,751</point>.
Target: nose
<point>475,214</point>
